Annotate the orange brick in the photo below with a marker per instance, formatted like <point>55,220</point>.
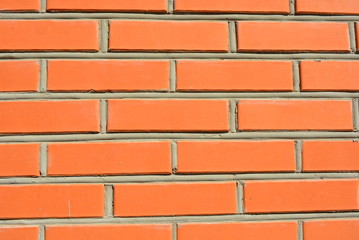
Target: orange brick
<point>109,158</point>
<point>167,115</point>
<point>328,6</point>
<point>51,201</point>
<point>232,6</point>
<point>331,230</point>
<point>169,36</point>
<point>19,160</point>
<point>175,199</point>
<point>231,231</point>
<point>293,36</point>
<point>329,76</point>
<point>109,232</point>
<point>48,35</point>
<point>108,75</point>
<point>20,5</point>
<point>234,76</point>
<point>321,156</point>
<point>17,76</point>
<point>23,233</point>
<point>108,5</point>
<point>235,156</point>
<point>295,115</point>
<point>301,196</point>
<point>49,116</point>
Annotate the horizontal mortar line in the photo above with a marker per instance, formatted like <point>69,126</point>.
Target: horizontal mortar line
<point>174,95</point>
<point>177,136</point>
<point>176,178</point>
<point>185,219</point>
<point>180,55</point>
<point>202,16</point>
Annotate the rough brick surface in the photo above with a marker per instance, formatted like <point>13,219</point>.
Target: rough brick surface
<point>179,119</point>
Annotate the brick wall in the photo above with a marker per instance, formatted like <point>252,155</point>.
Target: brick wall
<point>179,120</point>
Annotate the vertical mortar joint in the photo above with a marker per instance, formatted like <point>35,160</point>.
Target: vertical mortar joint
<point>232,31</point>
<point>352,37</point>
<point>292,7</point>
<point>109,201</point>
<point>296,76</point>
<point>103,116</point>
<point>43,159</point>
<point>240,197</point>
<point>233,115</point>
<point>174,160</point>
<point>173,76</point>
<point>171,6</point>
<point>104,35</point>
<point>299,155</point>
<point>43,76</point>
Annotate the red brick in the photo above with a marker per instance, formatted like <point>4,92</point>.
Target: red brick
<point>232,6</point>
<point>19,160</point>
<point>322,156</point>
<point>235,156</point>
<point>295,115</point>
<point>175,199</point>
<point>20,5</point>
<point>108,5</point>
<point>331,230</point>
<point>109,232</point>
<point>49,116</point>
<point>49,35</point>
<point>293,36</point>
<point>328,6</point>
<point>329,76</point>
<point>301,196</point>
<point>17,76</point>
<point>108,75</point>
<point>242,231</point>
<point>107,158</point>
<point>167,115</point>
<point>169,36</point>
<point>234,76</point>
<point>23,233</point>
<point>51,201</point>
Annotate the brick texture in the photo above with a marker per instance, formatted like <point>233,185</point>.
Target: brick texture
<point>179,119</point>
<point>175,199</point>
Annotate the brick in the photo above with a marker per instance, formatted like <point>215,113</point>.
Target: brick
<point>167,115</point>
<point>295,115</point>
<point>301,196</point>
<point>232,6</point>
<point>19,160</point>
<point>109,158</point>
<point>234,76</point>
<point>51,201</point>
<point>293,36</point>
<point>23,233</point>
<point>175,199</point>
<point>108,5</point>
<point>49,116</point>
<point>322,156</point>
<point>235,156</point>
<point>331,230</point>
<point>109,232</point>
<point>234,231</point>
<point>17,76</point>
<point>49,35</point>
<point>328,6</point>
<point>168,36</point>
<point>329,76</point>
<point>20,5</point>
<point>108,75</point>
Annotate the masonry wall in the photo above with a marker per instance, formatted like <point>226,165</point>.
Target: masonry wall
<point>179,120</point>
